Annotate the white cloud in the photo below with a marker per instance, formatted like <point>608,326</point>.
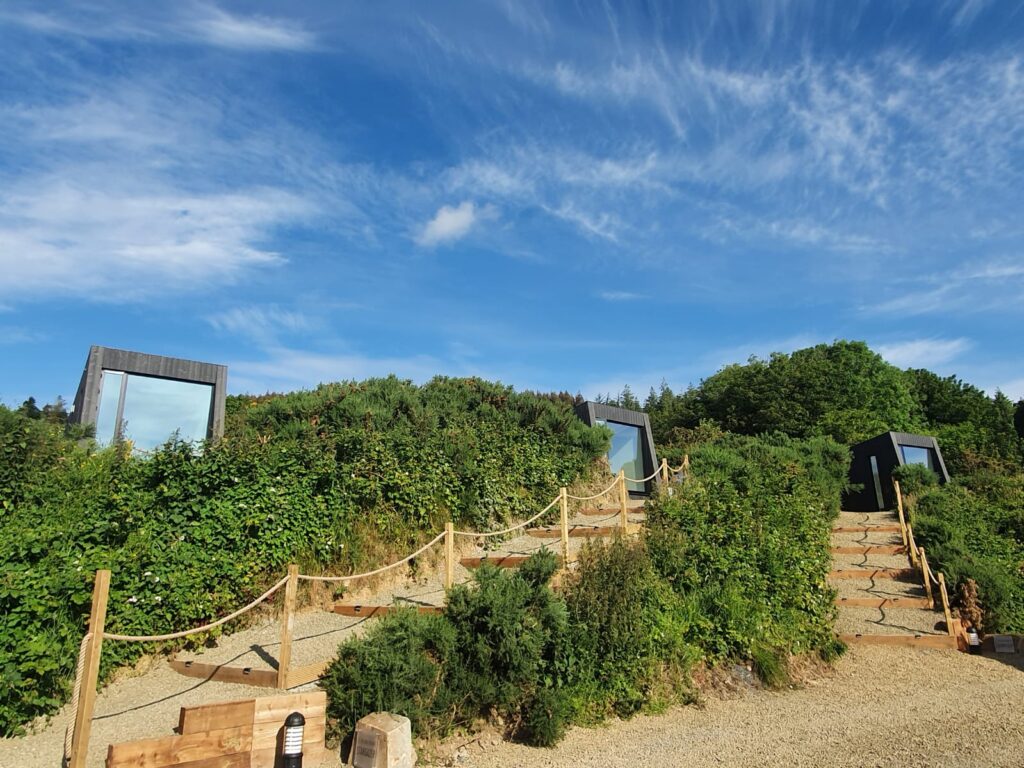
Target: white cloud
<point>923,353</point>
<point>286,369</point>
<point>620,296</point>
<point>182,22</point>
<point>449,224</point>
<point>221,28</point>
<point>1013,389</point>
<point>261,324</point>
<point>109,239</point>
<point>18,335</point>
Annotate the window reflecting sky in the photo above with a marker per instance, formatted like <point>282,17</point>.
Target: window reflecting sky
<point>153,410</point>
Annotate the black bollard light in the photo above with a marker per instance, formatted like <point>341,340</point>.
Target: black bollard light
<point>294,725</point>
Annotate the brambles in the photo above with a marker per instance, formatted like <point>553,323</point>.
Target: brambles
<point>329,478</point>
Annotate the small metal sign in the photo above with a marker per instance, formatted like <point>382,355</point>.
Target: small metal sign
<point>1003,643</point>
<point>364,752</point>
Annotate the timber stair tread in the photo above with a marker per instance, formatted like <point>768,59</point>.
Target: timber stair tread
<point>870,549</point>
<point>942,642</point>
<point>885,602</point>
<point>499,560</point>
<point>872,573</point>
<point>878,528</point>
<point>584,531</point>
<point>366,611</point>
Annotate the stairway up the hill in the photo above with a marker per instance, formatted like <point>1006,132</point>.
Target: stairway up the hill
<point>882,599</point>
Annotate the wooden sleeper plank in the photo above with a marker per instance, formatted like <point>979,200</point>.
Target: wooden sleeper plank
<point>873,573</point>
<point>894,528</point>
<point>884,602</point>
<point>264,678</point>
<point>577,531</point>
<point>871,549</point>
<point>368,611</point>
<point>944,642</point>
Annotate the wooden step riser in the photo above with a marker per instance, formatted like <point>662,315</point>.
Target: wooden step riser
<point>592,512</point>
<point>884,602</point>
<point>576,532</point>
<point>866,529</point>
<point>942,642</point>
<point>367,611</point>
<point>509,561</point>
<point>871,549</point>
<point>904,574</point>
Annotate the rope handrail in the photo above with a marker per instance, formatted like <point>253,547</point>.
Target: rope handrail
<point>523,524</point>
<point>644,480</point>
<point>382,569</point>
<point>596,495</point>
<point>677,470</point>
<point>197,630</point>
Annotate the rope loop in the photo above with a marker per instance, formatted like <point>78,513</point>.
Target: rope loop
<point>197,630</point>
<point>515,527</point>
<point>354,576</point>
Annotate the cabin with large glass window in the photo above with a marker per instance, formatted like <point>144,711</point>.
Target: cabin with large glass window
<point>632,448</point>
<point>874,461</point>
<point>148,399</point>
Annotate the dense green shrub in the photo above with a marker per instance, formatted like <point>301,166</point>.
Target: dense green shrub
<point>914,478</point>
<point>974,529</point>
<point>628,632</point>
<point>746,542</point>
<point>336,478</point>
<point>498,649</point>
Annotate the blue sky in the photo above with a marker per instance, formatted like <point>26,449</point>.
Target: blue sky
<point>560,196</point>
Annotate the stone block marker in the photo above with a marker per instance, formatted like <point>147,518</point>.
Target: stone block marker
<point>383,740</point>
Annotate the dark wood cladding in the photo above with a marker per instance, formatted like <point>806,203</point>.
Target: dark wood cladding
<point>886,450</point>
<point>591,412</point>
<point>87,398</point>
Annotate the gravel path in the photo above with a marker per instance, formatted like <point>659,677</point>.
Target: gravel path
<point>880,707</point>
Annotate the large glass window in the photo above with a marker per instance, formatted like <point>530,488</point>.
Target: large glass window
<point>626,452</point>
<point>915,455</point>
<point>148,410</point>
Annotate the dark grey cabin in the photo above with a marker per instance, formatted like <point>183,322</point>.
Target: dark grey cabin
<point>874,461</point>
<point>632,444</point>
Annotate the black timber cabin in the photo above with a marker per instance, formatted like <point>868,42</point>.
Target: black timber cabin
<point>874,461</point>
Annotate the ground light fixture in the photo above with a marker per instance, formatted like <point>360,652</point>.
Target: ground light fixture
<point>294,725</point>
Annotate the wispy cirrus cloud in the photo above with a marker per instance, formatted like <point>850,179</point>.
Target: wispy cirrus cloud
<point>199,23</point>
<point>262,324</point>
<point>218,27</point>
<point>620,296</point>
<point>923,353</point>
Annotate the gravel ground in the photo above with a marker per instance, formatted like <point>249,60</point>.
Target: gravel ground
<point>881,707</point>
<point>860,712</point>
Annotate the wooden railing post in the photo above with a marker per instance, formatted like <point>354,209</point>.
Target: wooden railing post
<point>449,555</point>
<point>926,572</point>
<point>899,510</point>
<point>90,671</point>
<point>284,658</point>
<point>945,605</point>
<point>623,506</point>
<point>664,472</point>
<point>686,465</point>
<point>563,508</point>
<point>914,559</point>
